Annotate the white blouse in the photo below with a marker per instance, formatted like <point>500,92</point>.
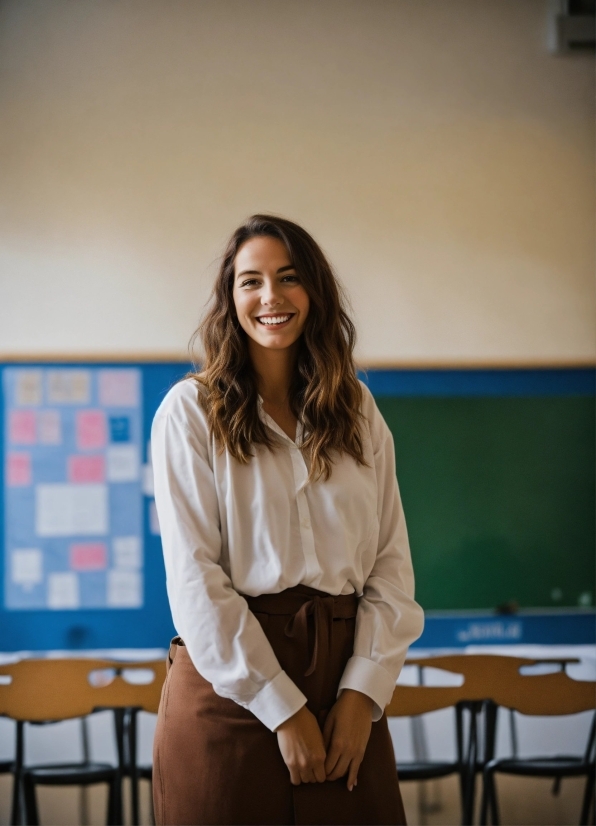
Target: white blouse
<point>261,528</point>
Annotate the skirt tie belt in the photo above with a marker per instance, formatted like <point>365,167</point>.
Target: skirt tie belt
<point>298,604</point>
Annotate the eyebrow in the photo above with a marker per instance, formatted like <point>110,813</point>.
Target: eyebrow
<point>258,272</point>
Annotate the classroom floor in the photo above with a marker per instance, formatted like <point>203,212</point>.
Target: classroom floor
<point>524,801</point>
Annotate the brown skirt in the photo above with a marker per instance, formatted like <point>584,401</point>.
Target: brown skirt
<point>216,763</point>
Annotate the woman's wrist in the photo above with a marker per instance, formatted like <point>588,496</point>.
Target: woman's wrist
<point>291,721</point>
<point>358,698</point>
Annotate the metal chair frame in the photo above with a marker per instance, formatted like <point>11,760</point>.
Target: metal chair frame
<point>490,681</point>
<point>66,693</point>
<point>478,716</point>
<point>557,767</point>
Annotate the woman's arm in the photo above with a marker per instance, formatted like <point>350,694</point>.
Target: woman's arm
<point>388,621</point>
<point>224,639</point>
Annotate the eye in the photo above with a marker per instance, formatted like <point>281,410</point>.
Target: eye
<point>249,282</point>
<point>290,278</point>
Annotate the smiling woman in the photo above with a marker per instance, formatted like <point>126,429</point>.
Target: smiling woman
<point>287,557</point>
<point>304,368</point>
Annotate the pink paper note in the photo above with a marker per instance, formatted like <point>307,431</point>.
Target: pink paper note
<point>88,556</point>
<point>49,431</point>
<point>86,469</point>
<point>22,427</point>
<point>91,429</point>
<point>18,469</point>
<point>119,388</point>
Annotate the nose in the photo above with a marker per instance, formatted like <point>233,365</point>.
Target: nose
<point>270,296</point>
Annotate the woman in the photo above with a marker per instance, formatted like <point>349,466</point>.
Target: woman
<point>287,559</point>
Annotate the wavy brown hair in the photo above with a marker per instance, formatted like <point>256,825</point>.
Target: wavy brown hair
<point>324,395</point>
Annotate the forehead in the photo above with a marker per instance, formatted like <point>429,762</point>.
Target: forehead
<point>260,254</point>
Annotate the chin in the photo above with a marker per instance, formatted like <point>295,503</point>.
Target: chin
<point>280,344</point>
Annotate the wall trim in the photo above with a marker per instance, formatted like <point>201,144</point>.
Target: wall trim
<point>362,364</point>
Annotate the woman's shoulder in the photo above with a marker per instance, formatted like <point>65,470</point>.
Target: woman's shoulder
<point>182,403</point>
<point>373,417</point>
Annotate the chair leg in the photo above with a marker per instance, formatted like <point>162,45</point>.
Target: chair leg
<point>115,815</point>
<point>588,801</point>
<point>490,722</point>
<point>459,734</point>
<point>470,768</point>
<point>132,765</point>
<point>494,806</point>
<point>116,812</point>
<point>490,737</point>
<point>31,813</point>
<point>485,800</point>
<point>17,787</point>
<point>489,799</point>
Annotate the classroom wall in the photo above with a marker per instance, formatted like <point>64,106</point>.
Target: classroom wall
<point>440,153</point>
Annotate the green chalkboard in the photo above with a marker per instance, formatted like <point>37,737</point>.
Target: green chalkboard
<point>499,495</point>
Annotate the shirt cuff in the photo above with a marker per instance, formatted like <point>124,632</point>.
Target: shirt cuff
<point>277,701</point>
<point>370,678</point>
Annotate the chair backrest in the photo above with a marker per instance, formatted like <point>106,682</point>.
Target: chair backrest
<point>496,678</point>
<point>59,689</point>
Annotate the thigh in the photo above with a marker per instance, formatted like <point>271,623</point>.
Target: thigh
<point>214,762</point>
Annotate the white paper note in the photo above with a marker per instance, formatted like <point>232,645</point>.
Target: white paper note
<point>49,431</point>
<point>127,552</point>
<point>29,387</point>
<point>119,387</point>
<point>69,386</point>
<point>122,463</point>
<point>26,567</point>
<point>71,510</point>
<point>63,591</point>
<point>124,589</point>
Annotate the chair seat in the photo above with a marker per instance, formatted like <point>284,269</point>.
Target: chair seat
<point>425,770</point>
<point>559,766</point>
<point>65,774</point>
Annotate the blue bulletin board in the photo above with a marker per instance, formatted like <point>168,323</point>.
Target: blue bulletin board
<point>492,463</point>
<point>82,564</point>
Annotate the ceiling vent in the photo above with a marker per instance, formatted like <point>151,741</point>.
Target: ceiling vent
<point>573,27</point>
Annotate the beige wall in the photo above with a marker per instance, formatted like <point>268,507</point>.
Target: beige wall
<point>440,154</point>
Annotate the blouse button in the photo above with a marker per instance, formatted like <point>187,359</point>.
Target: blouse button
<point>306,523</point>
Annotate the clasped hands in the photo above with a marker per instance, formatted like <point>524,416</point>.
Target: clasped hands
<point>313,756</point>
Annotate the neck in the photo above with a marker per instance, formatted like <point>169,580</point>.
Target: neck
<point>274,370</point>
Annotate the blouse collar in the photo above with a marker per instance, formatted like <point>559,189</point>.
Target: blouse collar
<point>266,419</point>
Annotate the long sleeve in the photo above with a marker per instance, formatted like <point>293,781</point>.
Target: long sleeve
<point>224,639</point>
<point>388,619</point>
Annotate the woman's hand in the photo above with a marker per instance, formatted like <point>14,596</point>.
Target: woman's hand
<point>301,745</point>
<point>346,734</point>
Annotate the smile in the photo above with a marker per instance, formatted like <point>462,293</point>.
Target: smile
<point>274,320</point>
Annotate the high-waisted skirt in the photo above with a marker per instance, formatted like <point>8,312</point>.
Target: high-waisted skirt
<point>216,763</point>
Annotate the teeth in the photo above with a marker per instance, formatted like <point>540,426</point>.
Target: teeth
<point>278,319</point>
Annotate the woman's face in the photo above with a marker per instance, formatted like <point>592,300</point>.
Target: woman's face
<point>271,303</point>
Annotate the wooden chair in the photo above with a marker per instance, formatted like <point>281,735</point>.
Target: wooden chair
<point>50,690</point>
<point>489,681</point>
<point>542,695</point>
<point>412,701</point>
